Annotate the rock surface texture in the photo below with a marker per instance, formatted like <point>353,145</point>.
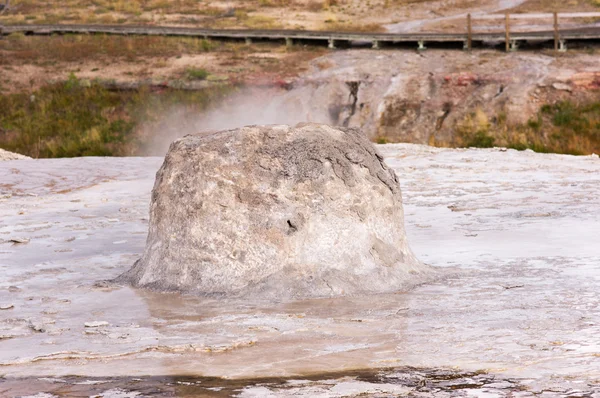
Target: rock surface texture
<point>276,212</point>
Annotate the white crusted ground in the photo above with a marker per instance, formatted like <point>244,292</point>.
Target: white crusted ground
<point>520,231</point>
<point>6,155</point>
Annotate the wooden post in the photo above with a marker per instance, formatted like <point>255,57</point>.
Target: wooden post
<point>507,25</point>
<point>469,33</point>
<point>5,8</point>
<point>556,36</point>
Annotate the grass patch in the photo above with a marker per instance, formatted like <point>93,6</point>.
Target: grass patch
<point>480,139</point>
<point>564,127</point>
<point>197,73</point>
<point>474,131</point>
<point>572,128</point>
<point>355,27</point>
<point>251,21</point>
<point>75,119</point>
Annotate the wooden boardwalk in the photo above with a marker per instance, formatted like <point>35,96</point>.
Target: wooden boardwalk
<point>331,39</point>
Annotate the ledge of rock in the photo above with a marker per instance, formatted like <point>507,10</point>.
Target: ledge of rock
<point>6,155</point>
<point>276,212</point>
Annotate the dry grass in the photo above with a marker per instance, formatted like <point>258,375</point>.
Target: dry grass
<point>353,27</point>
<point>28,62</point>
<point>253,14</point>
<point>358,15</point>
<point>18,48</point>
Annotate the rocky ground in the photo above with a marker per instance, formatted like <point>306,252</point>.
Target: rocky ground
<point>516,313</point>
<point>424,97</point>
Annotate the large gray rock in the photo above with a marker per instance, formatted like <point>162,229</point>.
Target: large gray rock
<point>276,212</point>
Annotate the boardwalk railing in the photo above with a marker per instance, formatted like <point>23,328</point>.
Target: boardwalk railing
<point>558,27</point>
<point>474,33</point>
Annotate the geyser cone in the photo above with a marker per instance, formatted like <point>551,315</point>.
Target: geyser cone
<point>276,212</point>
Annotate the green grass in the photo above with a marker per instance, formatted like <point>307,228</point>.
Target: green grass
<point>568,115</point>
<point>567,127</point>
<point>474,131</point>
<point>197,73</point>
<point>481,139</point>
<point>74,119</point>
<point>564,127</point>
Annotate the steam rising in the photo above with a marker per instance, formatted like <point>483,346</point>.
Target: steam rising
<point>254,106</point>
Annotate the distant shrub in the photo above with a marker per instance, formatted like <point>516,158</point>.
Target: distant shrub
<point>481,139</point>
<point>474,131</point>
<point>565,114</point>
<point>206,45</point>
<point>535,124</point>
<point>519,146</point>
<point>197,73</point>
<point>562,127</point>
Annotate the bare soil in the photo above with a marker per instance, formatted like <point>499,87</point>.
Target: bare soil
<point>26,63</point>
<point>269,14</point>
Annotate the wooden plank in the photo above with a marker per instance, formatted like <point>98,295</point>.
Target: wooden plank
<point>509,33</point>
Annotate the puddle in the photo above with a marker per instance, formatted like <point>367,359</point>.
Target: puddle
<point>406,381</point>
